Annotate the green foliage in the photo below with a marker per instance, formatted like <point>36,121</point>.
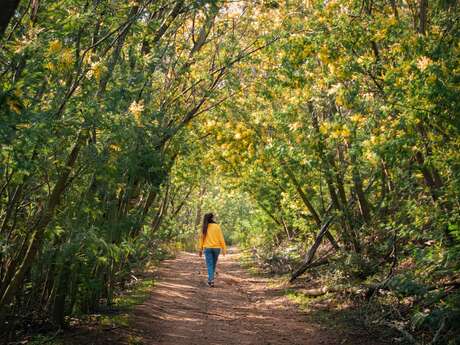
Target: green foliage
<point>124,122</point>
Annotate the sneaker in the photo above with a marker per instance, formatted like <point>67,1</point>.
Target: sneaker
<point>210,284</point>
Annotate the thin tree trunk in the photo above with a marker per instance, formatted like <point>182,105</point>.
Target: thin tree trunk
<point>161,212</point>
<point>60,295</point>
<point>324,228</point>
<point>199,208</point>
<point>151,197</point>
<point>422,16</point>
<point>38,231</point>
<point>311,253</point>
<point>338,197</point>
<point>309,205</point>
<point>358,184</point>
<point>428,178</point>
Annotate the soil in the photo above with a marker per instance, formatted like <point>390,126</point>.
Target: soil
<point>240,309</point>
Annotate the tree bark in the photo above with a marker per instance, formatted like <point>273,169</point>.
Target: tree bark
<point>422,16</point>
<point>61,293</point>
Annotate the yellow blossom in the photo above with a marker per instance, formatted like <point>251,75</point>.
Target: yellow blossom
<point>392,21</point>
<point>324,128</point>
<point>136,109</point>
<point>210,124</point>
<point>66,58</point>
<point>423,63</point>
<point>380,35</point>
<point>323,55</point>
<point>97,70</point>
<point>114,147</point>
<point>357,118</point>
<point>294,126</point>
<point>50,66</point>
<point>345,132</point>
<point>335,134</point>
<point>54,47</point>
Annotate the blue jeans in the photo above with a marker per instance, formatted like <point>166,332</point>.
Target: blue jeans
<point>211,255</point>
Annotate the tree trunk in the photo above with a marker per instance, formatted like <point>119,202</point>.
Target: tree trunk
<point>161,212</point>
<point>339,203</point>
<point>151,197</point>
<point>38,231</point>
<point>324,228</point>
<point>358,185</point>
<point>422,16</point>
<point>61,294</point>
<point>309,205</point>
<point>428,178</point>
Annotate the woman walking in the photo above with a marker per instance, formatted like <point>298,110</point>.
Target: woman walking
<point>212,241</point>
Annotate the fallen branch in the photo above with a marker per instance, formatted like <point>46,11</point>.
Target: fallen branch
<point>333,289</point>
<point>316,292</point>
<point>363,290</point>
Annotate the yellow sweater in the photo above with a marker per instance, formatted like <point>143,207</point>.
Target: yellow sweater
<point>214,238</point>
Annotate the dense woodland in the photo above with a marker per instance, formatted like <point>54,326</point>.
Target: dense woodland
<point>324,134</point>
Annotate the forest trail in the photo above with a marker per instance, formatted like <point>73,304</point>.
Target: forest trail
<point>241,309</point>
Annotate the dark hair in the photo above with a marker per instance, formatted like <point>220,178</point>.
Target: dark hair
<point>208,219</point>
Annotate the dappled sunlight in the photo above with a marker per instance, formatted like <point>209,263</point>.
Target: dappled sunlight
<point>239,310</point>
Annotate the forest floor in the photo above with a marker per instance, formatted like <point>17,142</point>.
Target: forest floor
<point>240,309</point>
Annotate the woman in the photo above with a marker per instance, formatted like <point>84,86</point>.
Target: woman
<point>212,241</point>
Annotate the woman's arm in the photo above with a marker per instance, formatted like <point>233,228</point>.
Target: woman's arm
<point>222,241</point>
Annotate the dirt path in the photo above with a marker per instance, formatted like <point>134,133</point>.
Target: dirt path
<point>241,309</point>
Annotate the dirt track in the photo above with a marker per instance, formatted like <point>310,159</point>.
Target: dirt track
<point>239,310</point>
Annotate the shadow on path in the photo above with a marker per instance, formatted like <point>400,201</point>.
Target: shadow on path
<point>241,309</point>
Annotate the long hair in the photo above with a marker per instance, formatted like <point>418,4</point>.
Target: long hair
<point>208,219</point>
